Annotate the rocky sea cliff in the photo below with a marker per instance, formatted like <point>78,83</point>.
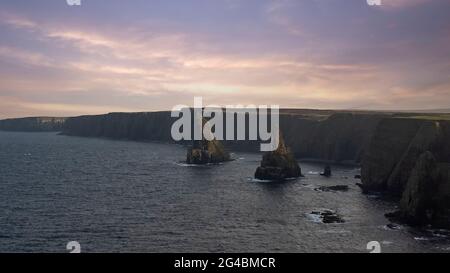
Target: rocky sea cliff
<point>409,158</point>
<point>403,155</point>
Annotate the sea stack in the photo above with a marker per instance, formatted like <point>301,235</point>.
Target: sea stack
<point>207,152</point>
<point>278,165</point>
<point>326,171</point>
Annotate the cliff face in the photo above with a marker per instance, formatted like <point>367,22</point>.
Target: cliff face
<point>36,124</point>
<point>417,198</point>
<point>341,137</point>
<point>338,137</point>
<point>153,126</point>
<point>395,148</point>
<point>410,159</point>
<point>387,146</point>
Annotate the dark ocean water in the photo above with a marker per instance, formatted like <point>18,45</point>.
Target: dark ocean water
<point>119,196</point>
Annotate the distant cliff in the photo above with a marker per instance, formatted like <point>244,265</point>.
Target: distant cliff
<point>35,124</point>
<point>148,126</point>
<point>320,135</point>
<point>410,158</point>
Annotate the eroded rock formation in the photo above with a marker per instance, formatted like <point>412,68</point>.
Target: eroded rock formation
<point>326,171</point>
<point>278,165</point>
<point>207,152</point>
<point>417,199</point>
<point>410,159</point>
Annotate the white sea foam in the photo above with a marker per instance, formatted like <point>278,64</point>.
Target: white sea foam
<point>195,165</point>
<point>255,180</point>
<point>316,218</point>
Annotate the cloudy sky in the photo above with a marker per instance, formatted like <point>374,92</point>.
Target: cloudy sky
<point>144,55</point>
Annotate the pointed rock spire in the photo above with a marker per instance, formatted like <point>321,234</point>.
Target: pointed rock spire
<point>278,165</point>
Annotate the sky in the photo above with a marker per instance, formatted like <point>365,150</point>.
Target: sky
<point>148,55</point>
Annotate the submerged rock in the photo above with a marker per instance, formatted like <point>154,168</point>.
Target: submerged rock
<point>207,152</point>
<point>333,188</point>
<point>326,216</point>
<point>278,165</point>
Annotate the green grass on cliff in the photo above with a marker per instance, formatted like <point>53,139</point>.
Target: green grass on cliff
<point>427,116</point>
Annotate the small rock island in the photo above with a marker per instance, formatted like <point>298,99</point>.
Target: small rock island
<point>207,152</point>
<point>326,171</point>
<point>278,165</point>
